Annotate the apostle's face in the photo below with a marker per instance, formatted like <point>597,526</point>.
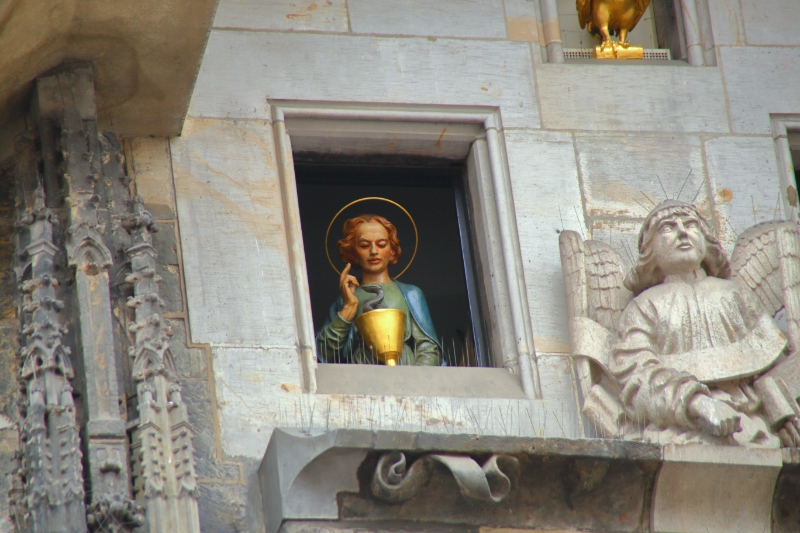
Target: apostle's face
<point>679,246</point>
<point>373,247</point>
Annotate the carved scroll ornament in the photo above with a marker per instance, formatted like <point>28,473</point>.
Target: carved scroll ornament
<point>395,482</point>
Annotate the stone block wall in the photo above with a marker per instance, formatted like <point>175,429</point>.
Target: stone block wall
<point>223,498</point>
<point>590,147</point>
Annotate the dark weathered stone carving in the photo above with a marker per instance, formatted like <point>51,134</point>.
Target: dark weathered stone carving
<point>88,253</point>
<point>113,514</point>
<point>48,494</point>
<point>163,456</point>
<point>76,188</point>
<point>393,482</point>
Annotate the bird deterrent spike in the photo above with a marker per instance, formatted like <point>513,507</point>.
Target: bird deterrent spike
<point>684,184</point>
<point>698,191</point>
<point>666,197</point>
<point>640,205</point>
<point>580,226</point>
<point>648,199</point>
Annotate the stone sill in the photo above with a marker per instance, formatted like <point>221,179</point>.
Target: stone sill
<point>639,62</point>
<point>453,382</point>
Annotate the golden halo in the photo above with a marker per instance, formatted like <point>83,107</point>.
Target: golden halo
<point>354,202</point>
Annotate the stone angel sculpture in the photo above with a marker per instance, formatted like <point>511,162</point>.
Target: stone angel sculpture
<point>683,347</point>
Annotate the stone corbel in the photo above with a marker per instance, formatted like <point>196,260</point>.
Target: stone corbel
<point>345,480</point>
<point>394,482</point>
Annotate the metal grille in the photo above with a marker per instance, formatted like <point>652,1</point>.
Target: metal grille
<point>586,53</point>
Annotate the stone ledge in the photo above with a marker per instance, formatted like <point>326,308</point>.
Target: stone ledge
<point>454,382</point>
<point>587,485</point>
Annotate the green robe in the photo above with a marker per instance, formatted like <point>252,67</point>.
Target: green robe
<point>339,341</point>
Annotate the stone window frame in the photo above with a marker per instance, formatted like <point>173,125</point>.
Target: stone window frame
<point>782,124</point>
<point>493,206</point>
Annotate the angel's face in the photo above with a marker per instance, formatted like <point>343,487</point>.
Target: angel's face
<point>679,246</point>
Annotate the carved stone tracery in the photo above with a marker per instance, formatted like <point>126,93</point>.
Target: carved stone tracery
<point>100,242</point>
<point>48,492</point>
<point>163,456</point>
<point>81,184</point>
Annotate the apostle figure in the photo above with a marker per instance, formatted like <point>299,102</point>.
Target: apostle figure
<point>370,243</point>
<point>691,342</point>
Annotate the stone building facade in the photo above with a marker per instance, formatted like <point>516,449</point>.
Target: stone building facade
<point>167,255</point>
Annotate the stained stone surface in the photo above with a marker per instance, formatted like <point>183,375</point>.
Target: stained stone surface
<point>664,161</point>
<point>544,177</point>
<point>769,22</point>
<point>170,288</point>
<point>743,175</point>
<point>9,323</point>
<point>293,15</point>
<point>667,98</point>
<point>189,362</point>
<point>437,18</point>
<point>444,71</point>
<point>759,80</point>
<point>229,205</point>
<point>9,332</point>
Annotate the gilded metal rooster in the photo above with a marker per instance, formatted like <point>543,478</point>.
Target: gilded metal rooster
<point>607,17</point>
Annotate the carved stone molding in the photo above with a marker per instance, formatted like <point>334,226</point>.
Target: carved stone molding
<point>68,233</point>
<point>88,253</point>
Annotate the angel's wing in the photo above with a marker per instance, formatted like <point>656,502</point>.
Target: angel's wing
<point>766,259</point>
<point>573,265</point>
<point>605,272</point>
<point>584,8</point>
<point>593,276</point>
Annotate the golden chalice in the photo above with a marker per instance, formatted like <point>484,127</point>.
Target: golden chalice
<point>384,333</point>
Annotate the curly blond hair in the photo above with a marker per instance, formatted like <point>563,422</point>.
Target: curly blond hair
<point>347,244</point>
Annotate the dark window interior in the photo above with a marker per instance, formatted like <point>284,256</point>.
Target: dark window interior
<point>794,146</point>
<point>669,27</point>
<point>433,194</point>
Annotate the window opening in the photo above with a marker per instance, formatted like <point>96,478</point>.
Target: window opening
<point>433,192</point>
<point>668,27</point>
<point>794,147</point>
<point>660,32</point>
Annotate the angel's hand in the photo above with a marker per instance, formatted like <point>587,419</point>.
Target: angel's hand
<point>790,433</point>
<point>716,417</point>
<point>347,286</point>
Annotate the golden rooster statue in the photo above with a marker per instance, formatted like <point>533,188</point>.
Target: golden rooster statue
<point>607,17</point>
